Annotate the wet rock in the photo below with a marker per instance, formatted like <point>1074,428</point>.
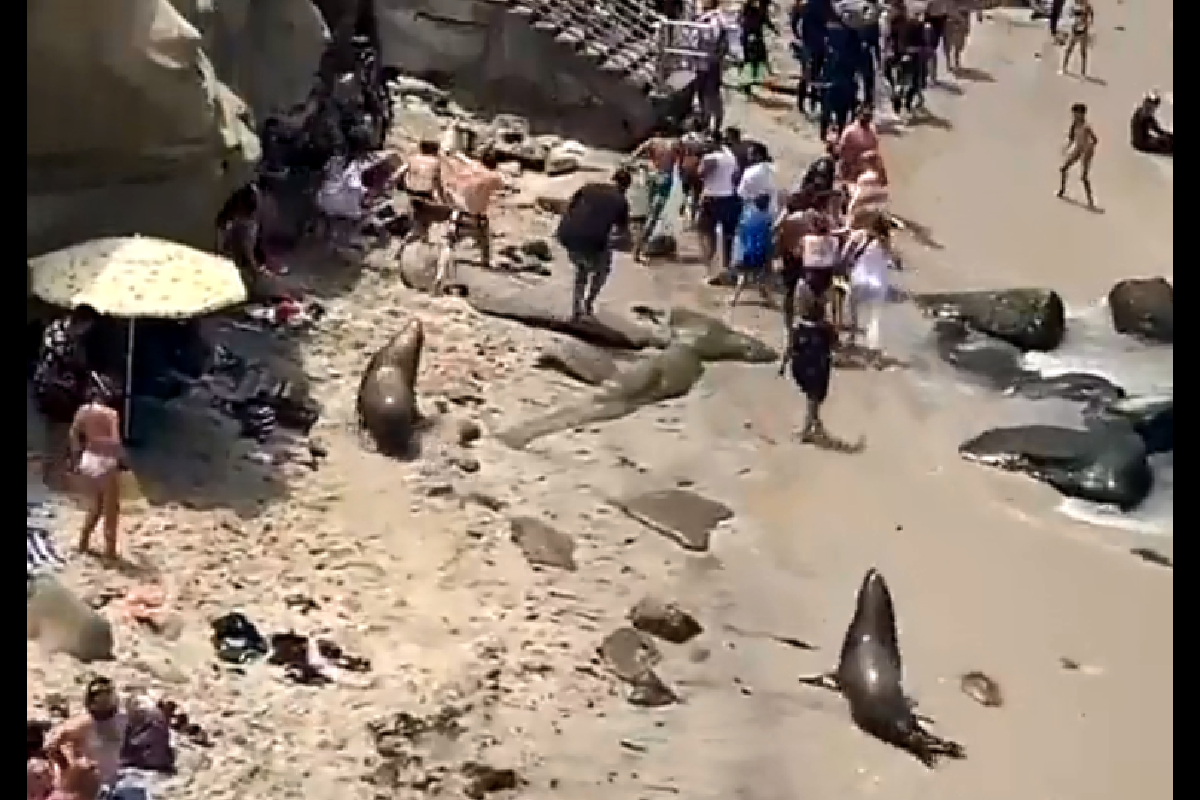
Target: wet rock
<point>63,622</point>
<point>1080,387</point>
<point>1144,307</point>
<point>629,653</point>
<point>1104,464</point>
<point>665,620</point>
<point>681,515</point>
<point>1031,319</point>
<point>1153,417</point>
<point>713,340</point>
<point>994,362</point>
<point>649,691</point>
<point>579,360</point>
<point>543,545</point>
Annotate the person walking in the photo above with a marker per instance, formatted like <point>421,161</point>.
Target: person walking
<point>720,208</point>
<point>1056,10</point>
<point>708,81</point>
<point>1083,20</point>
<point>755,22</point>
<point>595,212</point>
<point>97,454</point>
<point>1081,149</point>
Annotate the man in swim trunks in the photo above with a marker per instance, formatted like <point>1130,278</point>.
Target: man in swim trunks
<point>421,179</point>
<point>97,452</point>
<point>1081,149</point>
<point>90,743</point>
<point>663,153</point>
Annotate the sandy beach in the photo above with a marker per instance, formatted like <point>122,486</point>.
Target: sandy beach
<point>412,566</point>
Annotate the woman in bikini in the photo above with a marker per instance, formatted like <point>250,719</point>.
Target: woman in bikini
<point>1083,18</point>
<point>97,452</point>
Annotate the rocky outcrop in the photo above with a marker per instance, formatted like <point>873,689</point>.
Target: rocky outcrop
<point>1104,464</point>
<point>1031,319</point>
<point>1144,307</point>
<point>134,123</point>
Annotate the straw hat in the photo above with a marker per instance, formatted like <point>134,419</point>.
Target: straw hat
<point>136,276</point>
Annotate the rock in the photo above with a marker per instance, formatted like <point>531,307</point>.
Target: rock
<point>649,691</point>
<point>1152,417</point>
<point>629,653</point>
<point>122,138</point>
<point>713,340</point>
<point>539,249</point>
<point>415,87</point>
<point>667,375</point>
<point>579,360</point>
<point>63,622</point>
<point>565,157</point>
<point>1080,387</point>
<point>1104,464</point>
<point>468,464</point>
<point>994,362</point>
<point>665,620</point>
<point>467,431</point>
<point>1031,319</point>
<point>679,514</point>
<point>418,265</point>
<point>1144,307</point>
<point>483,780</point>
<point>553,203</point>
<point>509,140</point>
<point>543,545</point>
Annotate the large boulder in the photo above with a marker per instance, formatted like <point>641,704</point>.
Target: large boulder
<point>1105,463</point>
<point>1152,416</point>
<point>128,127</point>
<point>1144,307</point>
<point>1031,319</point>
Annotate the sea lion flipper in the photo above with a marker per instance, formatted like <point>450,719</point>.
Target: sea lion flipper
<point>826,680</point>
<point>929,748</point>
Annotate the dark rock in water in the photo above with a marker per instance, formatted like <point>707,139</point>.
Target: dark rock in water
<point>713,340</point>
<point>576,359</point>
<point>993,361</point>
<point>667,375</point>
<point>1152,417</point>
<point>1031,319</point>
<point>1144,307</point>
<point>542,545</point>
<point>665,620</point>
<point>1104,464</point>
<point>649,691</point>
<point>630,653</point>
<point>1081,387</point>
<point>683,516</point>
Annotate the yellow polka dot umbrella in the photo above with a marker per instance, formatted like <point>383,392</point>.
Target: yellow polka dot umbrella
<point>137,277</point>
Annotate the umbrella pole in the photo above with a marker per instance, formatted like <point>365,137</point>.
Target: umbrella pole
<point>128,416</point>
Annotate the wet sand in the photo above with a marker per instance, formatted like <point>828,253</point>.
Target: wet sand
<point>985,575</point>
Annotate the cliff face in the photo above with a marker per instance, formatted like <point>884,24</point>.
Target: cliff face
<point>134,120</point>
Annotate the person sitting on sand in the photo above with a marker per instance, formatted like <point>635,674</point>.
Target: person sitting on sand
<point>97,452</point>
<point>90,743</point>
<point>1145,134</point>
<point>1081,149</point>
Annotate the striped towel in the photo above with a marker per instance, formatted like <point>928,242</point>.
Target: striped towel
<point>41,554</point>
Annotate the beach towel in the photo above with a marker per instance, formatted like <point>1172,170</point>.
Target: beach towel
<point>41,554</point>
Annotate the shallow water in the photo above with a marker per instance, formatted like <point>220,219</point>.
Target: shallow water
<point>1093,347</point>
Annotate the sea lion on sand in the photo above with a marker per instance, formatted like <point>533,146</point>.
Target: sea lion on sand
<point>868,675</point>
<point>387,400</point>
<point>63,622</point>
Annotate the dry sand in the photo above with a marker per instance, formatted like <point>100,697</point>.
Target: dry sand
<point>430,588</point>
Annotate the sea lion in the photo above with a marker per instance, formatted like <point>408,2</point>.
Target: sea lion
<point>387,401</point>
<point>869,673</point>
<point>63,622</point>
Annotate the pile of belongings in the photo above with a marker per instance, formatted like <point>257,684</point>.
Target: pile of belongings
<point>41,554</point>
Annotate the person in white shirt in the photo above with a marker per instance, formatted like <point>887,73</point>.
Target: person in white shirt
<point>758,179</point>
<point>869,253</point>
<point>720,206</point>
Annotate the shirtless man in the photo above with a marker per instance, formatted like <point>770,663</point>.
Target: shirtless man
<point>96,452</point>
<point>89,744</point>
<point>663,153</point>
<point>1081,149</point>
<point>421,178</point>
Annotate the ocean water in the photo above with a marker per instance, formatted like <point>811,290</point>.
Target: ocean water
<point>1091,346</point>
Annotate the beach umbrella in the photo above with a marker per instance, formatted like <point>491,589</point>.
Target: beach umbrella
<point>134,277</point>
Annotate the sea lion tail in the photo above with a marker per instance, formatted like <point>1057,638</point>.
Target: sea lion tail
<point>929,748</point>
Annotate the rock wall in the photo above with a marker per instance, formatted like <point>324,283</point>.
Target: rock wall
<point>133,128</point>
<point>498,60</point>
